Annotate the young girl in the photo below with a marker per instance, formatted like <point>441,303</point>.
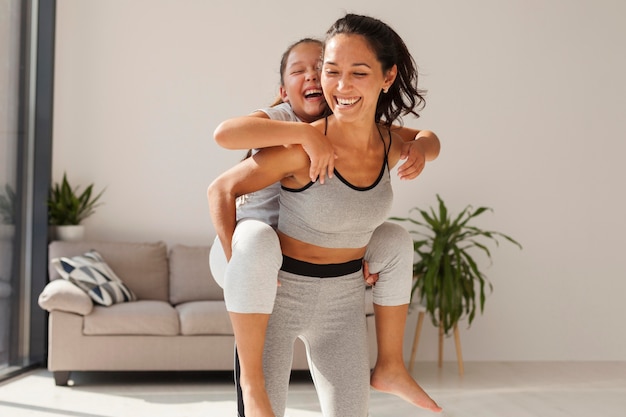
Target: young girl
<point>250,282</point>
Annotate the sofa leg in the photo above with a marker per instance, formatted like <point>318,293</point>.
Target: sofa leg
<point>61,377</point>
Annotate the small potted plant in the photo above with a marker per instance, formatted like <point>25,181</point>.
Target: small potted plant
<point>447,277</point>
<point>8,203</point>
<point>67,208</point>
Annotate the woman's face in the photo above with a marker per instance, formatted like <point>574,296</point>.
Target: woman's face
<point>352,77</point>
<point>301,82</point>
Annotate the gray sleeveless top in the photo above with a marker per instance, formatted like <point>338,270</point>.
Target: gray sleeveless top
<point>263,204</point>
<point>336,214</point>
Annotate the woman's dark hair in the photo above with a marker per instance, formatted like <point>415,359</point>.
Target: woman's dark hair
<point>285,57</point>
<point>403,97</point>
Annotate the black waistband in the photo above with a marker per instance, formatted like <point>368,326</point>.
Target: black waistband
<point>296,266</point>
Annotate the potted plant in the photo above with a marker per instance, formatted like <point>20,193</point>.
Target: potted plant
<point>8,203</point>
<point>67,208</point>
<point>447,277</point>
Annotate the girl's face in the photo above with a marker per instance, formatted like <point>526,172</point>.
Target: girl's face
<point>301,82</point>
<point>352,78</point>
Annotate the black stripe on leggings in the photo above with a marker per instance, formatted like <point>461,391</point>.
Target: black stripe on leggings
<point>298,267</point>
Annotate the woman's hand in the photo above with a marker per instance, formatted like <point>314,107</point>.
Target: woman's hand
<point>370,279</point>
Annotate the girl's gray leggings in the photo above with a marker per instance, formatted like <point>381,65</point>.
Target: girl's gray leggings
<point>249,280</point>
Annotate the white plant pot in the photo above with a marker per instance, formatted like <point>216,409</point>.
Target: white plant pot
<point>69,233</point>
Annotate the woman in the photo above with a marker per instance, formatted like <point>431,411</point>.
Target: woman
<point>359,83</point>
<point>249,280</point>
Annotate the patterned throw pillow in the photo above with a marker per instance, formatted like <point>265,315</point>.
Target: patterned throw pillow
<point>90,273</point>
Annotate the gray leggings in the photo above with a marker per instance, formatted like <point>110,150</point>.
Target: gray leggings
<point>328,315</point>
<point>249,279</point>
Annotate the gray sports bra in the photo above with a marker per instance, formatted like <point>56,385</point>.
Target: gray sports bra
<point>336,214</point>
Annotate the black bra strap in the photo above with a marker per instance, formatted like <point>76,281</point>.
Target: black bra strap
<point>387,148</point>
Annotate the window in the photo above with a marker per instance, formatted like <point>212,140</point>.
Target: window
<point>27,52</point>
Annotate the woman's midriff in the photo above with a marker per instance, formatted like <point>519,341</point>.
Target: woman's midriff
<point>303,251</point>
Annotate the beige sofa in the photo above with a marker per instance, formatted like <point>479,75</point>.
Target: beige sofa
<point>179,321</point>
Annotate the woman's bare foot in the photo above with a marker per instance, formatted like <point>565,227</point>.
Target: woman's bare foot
<point>398,381</point>
<point>256,402</point>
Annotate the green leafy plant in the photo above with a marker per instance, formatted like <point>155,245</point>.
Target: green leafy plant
<point>8,203</point>
<point>67,207</point>
<point>447,277</point>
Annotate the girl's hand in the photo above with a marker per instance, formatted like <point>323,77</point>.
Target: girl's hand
<point>321,154</point>
<point>415,157</point>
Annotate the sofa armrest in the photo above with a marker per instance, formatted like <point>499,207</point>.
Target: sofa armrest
<point>63,295</point>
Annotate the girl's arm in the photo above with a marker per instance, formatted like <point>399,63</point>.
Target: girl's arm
<point>259,131</point>
<point>420,146</point>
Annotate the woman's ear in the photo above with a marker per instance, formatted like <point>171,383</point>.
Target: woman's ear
<point>390,77</point>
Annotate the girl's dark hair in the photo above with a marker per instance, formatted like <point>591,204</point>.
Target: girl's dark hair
<point>403,96</point>
<point>285,57</point>
<point>283,64</point>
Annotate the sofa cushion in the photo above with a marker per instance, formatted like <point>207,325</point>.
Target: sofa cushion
<point>91,274</point>
<point>204,318</point>
<point>190,275</point>
<point>141,266</point>
<point>142,317</point>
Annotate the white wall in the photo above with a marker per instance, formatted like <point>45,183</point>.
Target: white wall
<point>528,98</point>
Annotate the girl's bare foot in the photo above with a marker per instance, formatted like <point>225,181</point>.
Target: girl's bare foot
<point>398,381</point>
<point>256,402</point>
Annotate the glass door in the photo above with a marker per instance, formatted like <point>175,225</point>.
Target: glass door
<point>10,40</point>
<point>25,154</point>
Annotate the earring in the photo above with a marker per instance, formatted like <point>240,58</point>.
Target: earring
<point>385,90</point>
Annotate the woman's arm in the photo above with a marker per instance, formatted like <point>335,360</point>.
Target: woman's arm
<point>420,146</point>
<point>252,174</point>
<point>258,131</point>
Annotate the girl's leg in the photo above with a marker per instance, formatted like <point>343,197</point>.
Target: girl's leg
<point>249,332</point>
<point>390,374</point>
<point>390,254</point>
<point>249,281</point>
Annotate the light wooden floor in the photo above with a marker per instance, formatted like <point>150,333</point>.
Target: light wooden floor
<point>519,389</point>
